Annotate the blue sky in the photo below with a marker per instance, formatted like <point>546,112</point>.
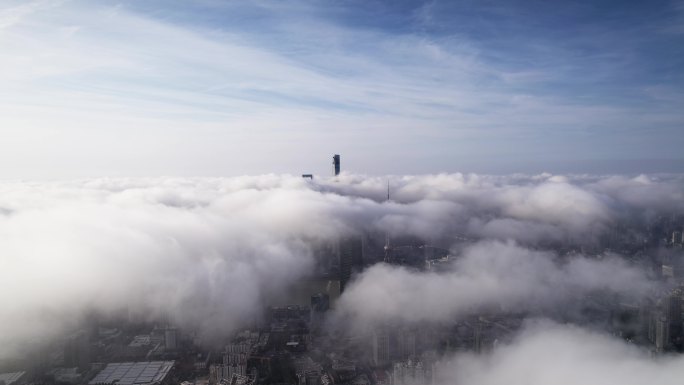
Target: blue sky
<point>144,88</point>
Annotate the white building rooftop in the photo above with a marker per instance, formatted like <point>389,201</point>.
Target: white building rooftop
<point>10,378</point>
<point>133,373</point>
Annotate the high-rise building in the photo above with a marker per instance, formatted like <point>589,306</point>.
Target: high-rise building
<point>170,339</point>
<point>381,347</point>
<point>674,316</point>
<point>320,303</point>
<point>407,344</point>
<point>662,335</point>
<point>665,323</point>
<point>77,350</point>
<point>235,359</point>
<point>351,258</point>
<point>336,164</point>
<point>388,247</point>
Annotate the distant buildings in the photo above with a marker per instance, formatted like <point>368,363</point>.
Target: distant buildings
<point>409,372</point>
<point>139,347</point>
<point>665,323</point>
<point>236,355</point>
<point>289,345</point>
<point>677,238</point>
<point>308,372</point>
<point>335,168</point>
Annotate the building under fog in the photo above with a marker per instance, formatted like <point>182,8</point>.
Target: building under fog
<point>409,372</point>
<point>14,378</point>
<point>351,259</point>
<point>134,373</point>
<point>77,350</point>
<point>170,338</point>
<point>382,341</point>
<point>320,304</point>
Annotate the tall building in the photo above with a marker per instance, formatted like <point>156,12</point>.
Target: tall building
<point>77,350</point>
<point>407,344</point>
<point>235,358</point>
<point>665,323</point>
<point>336,165</point>
<point>171,339</point>
<point>320,303</point>
<point>351,259</point>
<point>662,336</point>
<point>673,310</point>
<point>381,347</point>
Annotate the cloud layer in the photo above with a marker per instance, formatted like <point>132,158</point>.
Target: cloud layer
<point>207,252</point>
<point>487,276</point>
<point>548,353</point>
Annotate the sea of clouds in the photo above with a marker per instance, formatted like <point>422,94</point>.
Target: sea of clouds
<point>207,252</point>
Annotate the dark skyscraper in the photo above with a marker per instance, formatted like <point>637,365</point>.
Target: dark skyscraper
<point>336,164</point>
<point>351,259</point>
<point>320,303</point>
<point>388,248</point>
<point>673,312</point>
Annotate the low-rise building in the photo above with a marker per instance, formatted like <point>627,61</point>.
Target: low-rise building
<point>134,373</point>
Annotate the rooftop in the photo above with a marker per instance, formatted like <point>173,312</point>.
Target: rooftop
<point>10,378</point>
<point>132,373</point>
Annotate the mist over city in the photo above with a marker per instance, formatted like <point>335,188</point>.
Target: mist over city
<point>341,193</point>
<point>470,268</point>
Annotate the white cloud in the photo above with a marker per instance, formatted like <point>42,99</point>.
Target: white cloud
<point>183,245</point>
<point>547,353</point>
<point>487,276</point>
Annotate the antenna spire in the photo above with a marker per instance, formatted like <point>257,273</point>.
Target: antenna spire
<point>388,248</point>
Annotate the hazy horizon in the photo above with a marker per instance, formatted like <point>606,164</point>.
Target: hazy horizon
<point>211,88</point>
